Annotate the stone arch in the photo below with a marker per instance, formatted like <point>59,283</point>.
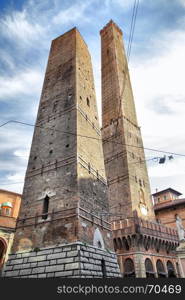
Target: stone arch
<point>125,243</point>
<point>3,249</point>
<point>98,239</point>
<point>160,269</point>
<point>119,242</point>
<point>149,268</point>
<point>129,241</point>
<point>170,269</point>
<point>115,244</point>
<point>129,268</point>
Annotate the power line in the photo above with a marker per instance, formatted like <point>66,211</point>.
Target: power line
<point>131,26</point>
<point>89,137</point>
<point>133,22</point>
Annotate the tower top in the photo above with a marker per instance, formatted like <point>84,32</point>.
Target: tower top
<point>73,30</point>
<point>111,23</point>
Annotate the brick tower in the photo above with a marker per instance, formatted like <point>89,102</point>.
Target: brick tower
<point>61,231</point>
<point>144,248</point>
<point>129,188</point>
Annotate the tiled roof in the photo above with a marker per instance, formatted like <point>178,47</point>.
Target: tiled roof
<point>167,190</point>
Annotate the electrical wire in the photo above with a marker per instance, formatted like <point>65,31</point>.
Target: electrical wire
<point>133,22</point>
<point>85,136</point>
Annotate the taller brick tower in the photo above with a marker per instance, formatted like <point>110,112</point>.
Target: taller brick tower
<point>129,188</point>
<point>61,231</point>
<point>144,248</point>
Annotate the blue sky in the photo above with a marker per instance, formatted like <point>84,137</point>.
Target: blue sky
<point>157,68</point>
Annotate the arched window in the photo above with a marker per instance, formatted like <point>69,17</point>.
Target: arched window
<point>170,268</point>
<point>2,252</point>
<point>129,270</point>
<point>45,208</point>
<point>149,268</point>
<point>160,269</point>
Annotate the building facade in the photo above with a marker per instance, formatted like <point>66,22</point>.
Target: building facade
<point>167,206</point>
<point>169,209</point>
<point>9,210</point>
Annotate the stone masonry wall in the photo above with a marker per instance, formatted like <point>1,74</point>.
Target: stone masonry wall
<point>70,260</point>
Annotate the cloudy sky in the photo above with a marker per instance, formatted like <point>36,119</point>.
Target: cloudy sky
<point>157,69</point>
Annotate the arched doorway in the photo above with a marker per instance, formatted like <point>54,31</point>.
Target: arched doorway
<point>129,269</point>
<point>170,268</point>
<point>2,253</point>
<point>160,269</point>
<point>149,268</point>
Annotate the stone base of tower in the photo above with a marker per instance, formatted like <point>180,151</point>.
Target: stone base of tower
<point>69,260</point>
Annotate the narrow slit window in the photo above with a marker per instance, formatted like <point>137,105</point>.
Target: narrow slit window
<point>103,267</point>
<point>45,208</point>
<point>88,102</point>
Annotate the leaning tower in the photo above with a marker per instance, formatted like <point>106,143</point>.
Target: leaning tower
<point>129,188</point>
<point>144,248</point>
<point>63,228</point>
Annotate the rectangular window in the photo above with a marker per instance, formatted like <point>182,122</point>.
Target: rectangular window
<point>45,208</point>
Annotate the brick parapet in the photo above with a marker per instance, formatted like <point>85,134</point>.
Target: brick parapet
<point>138,225</point>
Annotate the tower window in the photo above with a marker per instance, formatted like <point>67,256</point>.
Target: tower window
<point>45,208</point>
<point>88,102</point>
<point>8,211</point>
<point>69,96</point>
<point>103,267</point>
<point>51,151</point>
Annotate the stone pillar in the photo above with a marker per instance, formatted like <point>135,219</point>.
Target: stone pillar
<point>139,266</point>
<point>181,258</point>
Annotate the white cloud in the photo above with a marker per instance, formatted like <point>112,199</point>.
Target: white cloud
<point>74,13</point>
<point>7,59</point>
<point>16,26</point>
<point>158,84</point>
<point>26,82</point>
<point>182,2</point>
